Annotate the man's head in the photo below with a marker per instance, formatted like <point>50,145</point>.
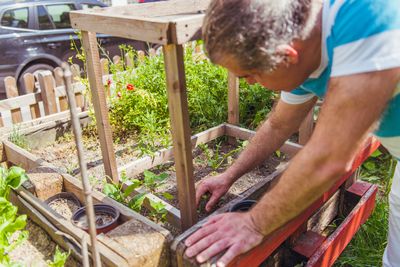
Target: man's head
<point>259,38</point>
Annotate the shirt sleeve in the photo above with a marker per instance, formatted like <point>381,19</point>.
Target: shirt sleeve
<point>366,37</point>
<point>296,97</point>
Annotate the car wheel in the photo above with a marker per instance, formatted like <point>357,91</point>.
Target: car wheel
<point>34,69</point>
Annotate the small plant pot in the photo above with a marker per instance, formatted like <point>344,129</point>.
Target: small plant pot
<point>64,203</point>
<point>106,218</point>
<point>242,206</point>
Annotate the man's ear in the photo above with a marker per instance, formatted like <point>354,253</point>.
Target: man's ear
<point>289,52</point>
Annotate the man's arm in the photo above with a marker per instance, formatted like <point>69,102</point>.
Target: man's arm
<point>284,120</point>
<point>352,105</point>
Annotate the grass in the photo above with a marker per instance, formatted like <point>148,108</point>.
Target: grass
<point>367,247</point>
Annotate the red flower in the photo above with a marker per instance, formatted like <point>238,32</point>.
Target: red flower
<point>119,95</point>
<point>130,87</point>
<point>108,82</point>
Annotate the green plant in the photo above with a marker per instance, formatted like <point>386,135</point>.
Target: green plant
<point>150,183</point>
<point>59,258</point>
<point>215,159</point>
<point>17,138</point>
<point>10,222</point>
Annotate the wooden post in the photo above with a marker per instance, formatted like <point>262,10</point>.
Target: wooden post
<point>99,103</point>
<point>47,84</point>
<point>76,74</point>
<point>140,55</point>
<point>29,81</point>
<point>306,128</point>
<point>12,91</point>
<point>233,102</point>
<point>116,59</point>
<point>129,62</point>
<point>58,77</point>
<point>152,52</point>
<point>105,70</point>
<point>179,115</point>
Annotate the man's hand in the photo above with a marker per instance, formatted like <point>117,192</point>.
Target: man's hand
<point>233,232</point>
<point>217,186</point>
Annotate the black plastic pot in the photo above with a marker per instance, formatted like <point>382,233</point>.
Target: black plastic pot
<point>65,195</point>
<point>98,209</point>
<point>242,206</point>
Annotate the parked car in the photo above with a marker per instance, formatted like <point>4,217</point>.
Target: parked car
<point>36,35</point>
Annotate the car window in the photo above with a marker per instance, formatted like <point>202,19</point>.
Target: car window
<point>44,20</point>
<point>16,18</point>
<point>60,15</point>
<point>87,6</point>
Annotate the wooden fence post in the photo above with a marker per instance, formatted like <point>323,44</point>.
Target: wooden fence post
<point>12,91</point>
<point>129,62</point>
<point>179,115</point>
<point>58,77</point>
<point>47,86</point>
<point>29,81</point>
<point>76,74</point>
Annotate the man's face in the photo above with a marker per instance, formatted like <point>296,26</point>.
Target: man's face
<point>285,78</point>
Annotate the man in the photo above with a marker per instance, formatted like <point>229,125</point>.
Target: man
<point>347,52</point>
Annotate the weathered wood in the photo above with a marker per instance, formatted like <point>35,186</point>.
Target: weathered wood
<point>152,52</point>
<point>47,85</point>
<point>29,82</point>
<point>76,74</point>
<point>129,61</point>
<point>233,102</point>
<point>116,59</point>
<point>306,128</point>
<point>95,20</point>
<point>141,55</point>
<point>178,109</point>
<point>60,82</point>
<point>164,155</point>
<point>11,92</point>
<point>99,103</point>
<point>20,101</point>
<point>288,148</point>
<point>188,28</point>
<point>105,69</point>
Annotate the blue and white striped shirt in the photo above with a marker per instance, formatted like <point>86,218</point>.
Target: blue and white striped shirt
<point>358,36</point>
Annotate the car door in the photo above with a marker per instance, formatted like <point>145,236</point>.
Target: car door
<point>55,27</point>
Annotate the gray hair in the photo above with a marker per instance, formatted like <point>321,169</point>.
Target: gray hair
<point>251,30</point>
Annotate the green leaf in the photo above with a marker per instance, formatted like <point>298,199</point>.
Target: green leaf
<point>158,206</point>
<point>149,177</point>
<point>110,190</point>
<point>16,176</point>
<point>59,258</point>
<point>167,196</point>
<point>369,165</point>
<point>137,202</point>
<point>161,177</point>
<point>135,184</point>
<point>278,153</point>
<point>376,154</point>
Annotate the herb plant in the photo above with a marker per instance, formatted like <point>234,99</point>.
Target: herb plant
<point>59,258</point>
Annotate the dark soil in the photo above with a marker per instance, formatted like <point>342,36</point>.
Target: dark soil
<point>64,207</point>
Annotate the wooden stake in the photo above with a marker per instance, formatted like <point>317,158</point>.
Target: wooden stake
<point>82,163</point>
<point>29,81</point>
<point>47,84</point>
<point>99,103</point>
<point>233,102</point>
<point>12,91</point>
<point>179,115</point>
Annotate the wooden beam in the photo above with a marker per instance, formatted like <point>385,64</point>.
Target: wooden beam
<point>96,20</point>
<point>179,115</point>
<point>99,103</point>
<point>162,156</point>
<point>29,81</point>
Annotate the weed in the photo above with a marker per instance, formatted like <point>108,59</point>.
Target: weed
<point>17,138</point>
<point>59,258</point>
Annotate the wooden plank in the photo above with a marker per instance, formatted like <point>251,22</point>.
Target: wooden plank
<point>306,128</point>
<point>179,115</point>
<point>47,85</point>
<point>76,76</point>
<point>308,243</point>
<point>11,92</point>
<point>116,59</point>
<point>333,246</point>
<point>58,77</point>
<point>120,25</point>
<point>99,103</point>
<point>20,101</point>
<point>188,28</point>
<point>289,148</point>
<point>129,61</point>
<point>233,102</point>
<point>138,166</point>
<point>105,69</point>
<point>29,82</point>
